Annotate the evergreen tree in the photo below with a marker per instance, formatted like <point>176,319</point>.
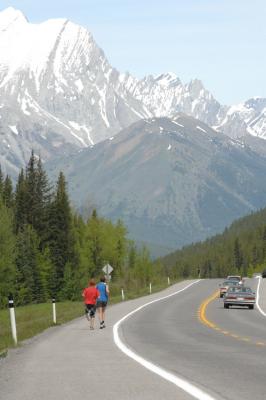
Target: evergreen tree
<point>238,256</point>
<point>20,202</point>
<point>7,255</point>
<point>61,238</point>
<point>29,281</point>
<point>43,199</point>
<point>31,185</point>
<point>8,192</point>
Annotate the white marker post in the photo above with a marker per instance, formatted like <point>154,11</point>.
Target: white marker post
<point>12,319</point>
<point>54,311</point>
<point>150,287</point>
<point>122,294</point>
<point>168,279</point>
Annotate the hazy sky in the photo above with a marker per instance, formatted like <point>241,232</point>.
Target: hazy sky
<point>221,42</point>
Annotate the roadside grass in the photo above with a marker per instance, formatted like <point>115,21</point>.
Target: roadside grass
<point>35,318</point>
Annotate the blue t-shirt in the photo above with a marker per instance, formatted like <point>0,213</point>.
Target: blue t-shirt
<point>101,286</point>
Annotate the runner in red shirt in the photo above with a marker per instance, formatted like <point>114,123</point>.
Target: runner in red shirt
<point>90,295</point>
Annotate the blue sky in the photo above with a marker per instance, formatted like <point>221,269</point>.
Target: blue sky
<point>221,42</point>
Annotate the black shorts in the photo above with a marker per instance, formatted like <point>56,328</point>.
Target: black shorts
<point>102,304</point>
<point>90,309</point>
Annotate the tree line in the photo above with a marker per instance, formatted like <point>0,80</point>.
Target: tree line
<point>48,250</point>
<point>240,249</point>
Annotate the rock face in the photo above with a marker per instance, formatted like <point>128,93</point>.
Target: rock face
<point>58,93</point>
<point>173,181</point>
<point>57,90</point>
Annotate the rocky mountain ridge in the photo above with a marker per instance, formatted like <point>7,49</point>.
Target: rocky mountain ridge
<point>59,94</point>
<point>171,180</point>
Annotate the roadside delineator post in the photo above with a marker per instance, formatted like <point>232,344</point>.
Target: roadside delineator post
<point>122,294</point>
<point>12,318</point>
<point>168,279</point>
<point>150,287</point>
<point>54,311</point>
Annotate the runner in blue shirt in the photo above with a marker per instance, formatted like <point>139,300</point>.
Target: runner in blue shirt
<point>102,300</point>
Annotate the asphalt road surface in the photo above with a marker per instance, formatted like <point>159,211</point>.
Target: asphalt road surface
<point>71,362</point>
<point>228,362</point>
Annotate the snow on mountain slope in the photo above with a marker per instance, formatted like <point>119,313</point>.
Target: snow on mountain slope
<point>245,118</point>
<point>172,181</point>
<point>59,93</point>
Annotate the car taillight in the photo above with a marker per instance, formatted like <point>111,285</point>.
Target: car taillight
<point>231,297</point>
<point>249,298</point>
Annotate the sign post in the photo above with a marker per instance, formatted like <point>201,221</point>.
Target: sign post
<point>107,269</point>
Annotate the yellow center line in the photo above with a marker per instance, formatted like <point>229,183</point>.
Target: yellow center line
<point>204,320</point>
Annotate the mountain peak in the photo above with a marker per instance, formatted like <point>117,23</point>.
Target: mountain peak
<point>168,78</point>
<point>11,15</point>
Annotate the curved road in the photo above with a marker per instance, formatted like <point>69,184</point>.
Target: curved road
<point>70,362</point>
<point>228,362</point>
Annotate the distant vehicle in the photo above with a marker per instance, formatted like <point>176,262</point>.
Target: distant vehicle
<point>235,278</point>
<point>263,274</point>
<point>240,296</point>
<point>226,284</point>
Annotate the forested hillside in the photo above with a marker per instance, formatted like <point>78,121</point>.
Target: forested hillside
<point>241,249</point>
<point>47,250</point>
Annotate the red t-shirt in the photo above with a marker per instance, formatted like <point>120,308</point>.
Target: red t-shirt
<point>90,295</point>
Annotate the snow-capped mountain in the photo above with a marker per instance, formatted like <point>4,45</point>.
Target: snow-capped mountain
<point>58,93</point>
<point>57,90</point>
<point>244,119</point>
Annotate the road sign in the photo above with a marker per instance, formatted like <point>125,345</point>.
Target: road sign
<point>107,269</point>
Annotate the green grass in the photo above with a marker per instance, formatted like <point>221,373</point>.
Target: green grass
<point>35,318</point>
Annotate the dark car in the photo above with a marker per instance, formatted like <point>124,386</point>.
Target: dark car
<point>263,274</point>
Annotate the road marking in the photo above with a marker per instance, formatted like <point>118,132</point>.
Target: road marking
<point>180,382</point>
<point>260,344</point>
<point>204,320</point>
<point>258,297</point>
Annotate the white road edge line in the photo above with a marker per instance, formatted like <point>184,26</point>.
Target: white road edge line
<point>258,297</point>
<point>181,383</point>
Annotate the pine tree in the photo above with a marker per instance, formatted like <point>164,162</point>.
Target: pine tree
<point>238,256</point>
<point>29,281</point>
<point>61,238</point>
<point>20,202</point>
<point>31,191</point>
<point>7,255</point>
<point>8,192</point>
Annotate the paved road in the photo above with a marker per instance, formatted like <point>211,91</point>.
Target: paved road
<point>227,363</point>
<point>71,362</point>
